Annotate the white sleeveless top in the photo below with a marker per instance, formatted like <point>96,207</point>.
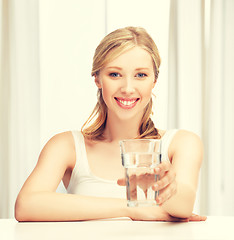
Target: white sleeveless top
<point>84,182</point>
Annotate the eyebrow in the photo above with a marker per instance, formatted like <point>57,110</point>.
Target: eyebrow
<point>143,68</point>
<point>115,67</point>
<point>137,69</point>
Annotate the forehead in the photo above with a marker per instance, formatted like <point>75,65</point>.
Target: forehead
<point>136,57</point>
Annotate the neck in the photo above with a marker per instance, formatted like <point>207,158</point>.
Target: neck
<point>117,129</point>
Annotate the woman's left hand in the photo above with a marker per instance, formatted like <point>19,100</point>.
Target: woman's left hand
<point>166,186</point>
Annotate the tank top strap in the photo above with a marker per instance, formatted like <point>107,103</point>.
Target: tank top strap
<point>81,155</point>
<point>166,141</point>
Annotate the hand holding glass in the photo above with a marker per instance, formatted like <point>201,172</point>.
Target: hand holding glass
<point>140,157</point>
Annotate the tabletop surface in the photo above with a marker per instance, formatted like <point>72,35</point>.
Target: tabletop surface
<point>122,228</point>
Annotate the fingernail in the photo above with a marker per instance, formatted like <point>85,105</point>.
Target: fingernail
<point>157,170</point>
<point>159,199</point>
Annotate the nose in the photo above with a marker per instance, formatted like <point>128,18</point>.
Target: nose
<point>127,87</point>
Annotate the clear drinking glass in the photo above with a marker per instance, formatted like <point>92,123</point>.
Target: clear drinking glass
<point>139,158</point>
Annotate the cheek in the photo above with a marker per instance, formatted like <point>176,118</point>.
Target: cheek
<point>146,94</point>
<point>146,90</point>
<point>107,93</point>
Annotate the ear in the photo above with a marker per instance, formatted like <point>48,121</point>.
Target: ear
<point>97,81</point>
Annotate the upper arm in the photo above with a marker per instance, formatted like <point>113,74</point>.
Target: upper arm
<point>55,158</point>
<point>187,155</point>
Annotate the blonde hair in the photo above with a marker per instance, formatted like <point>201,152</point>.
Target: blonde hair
<point>112,46</point>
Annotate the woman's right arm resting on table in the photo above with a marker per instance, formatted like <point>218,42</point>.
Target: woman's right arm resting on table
<point>39,201</point>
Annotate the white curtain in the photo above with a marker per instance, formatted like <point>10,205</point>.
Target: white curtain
<point>46,52</point>
<point>201,86</point>
<point>185,97</point>
<point>219,108</point>
<point>20,126</point>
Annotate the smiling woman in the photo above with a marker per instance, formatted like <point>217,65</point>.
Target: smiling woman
<point>123,55</point>
<point>131,88</point>
<point>46,86</point>
<point>89,163</point>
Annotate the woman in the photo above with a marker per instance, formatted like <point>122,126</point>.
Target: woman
<point>125,68</point>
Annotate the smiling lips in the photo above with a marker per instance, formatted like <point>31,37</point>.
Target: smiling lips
<point>126,103</point>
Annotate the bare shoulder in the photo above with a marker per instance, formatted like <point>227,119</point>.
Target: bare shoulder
<point>186,143</point>
<point>55,158</point>
<point>62,138</point>
<point>60,146</point>
<point>186,137</point>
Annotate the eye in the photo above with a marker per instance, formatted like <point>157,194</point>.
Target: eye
<point>114,75</point>
<point>141,75</point>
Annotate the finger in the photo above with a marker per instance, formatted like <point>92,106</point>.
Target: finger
<point>121,182</point>
<point>164,181</point>
<point>198,218</point>
<point>166,193</point>
<point>163,167</point>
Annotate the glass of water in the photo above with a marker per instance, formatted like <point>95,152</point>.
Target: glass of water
<point>139,158</point>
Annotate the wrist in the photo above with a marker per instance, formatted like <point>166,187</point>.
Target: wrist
<point>126,211</point>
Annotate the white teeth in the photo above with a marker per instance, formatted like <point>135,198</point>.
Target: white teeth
<point>126,103</point>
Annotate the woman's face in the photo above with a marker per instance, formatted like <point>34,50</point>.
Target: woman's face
<point>127,83</point>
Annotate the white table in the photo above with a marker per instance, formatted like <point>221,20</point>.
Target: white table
<point>214,228</point>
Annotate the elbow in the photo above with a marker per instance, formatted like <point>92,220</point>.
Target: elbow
<point>180,211</point>
<point>181,207</point>
<point>183,210</point>
<point>18,210</point>
<point>21,209</point>
<point>185,213</point>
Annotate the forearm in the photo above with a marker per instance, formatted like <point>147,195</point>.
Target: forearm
<point>52,206</point>
<point>182,203</point>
